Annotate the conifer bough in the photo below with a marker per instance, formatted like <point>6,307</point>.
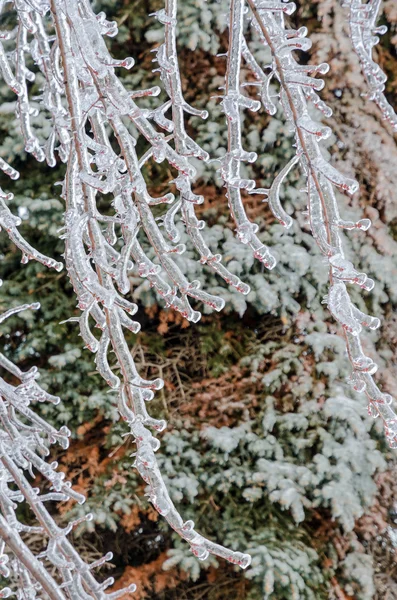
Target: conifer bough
<point>95,124</point>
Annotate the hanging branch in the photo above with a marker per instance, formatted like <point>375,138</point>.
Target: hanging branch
<point>10,224</point>
<point>95,124</point>
<point>297,85</point>
<point>364,34</point>
<point>89,70</point>
<point>230,171</point>
<point>24,441</point>
<point>185,146</point>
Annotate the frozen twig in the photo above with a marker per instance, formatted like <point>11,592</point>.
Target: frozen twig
<point>24,441</point>
<point>364,33</point>
<point>297,85</point>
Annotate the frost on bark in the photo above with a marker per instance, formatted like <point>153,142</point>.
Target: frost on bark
<point>98,129</point>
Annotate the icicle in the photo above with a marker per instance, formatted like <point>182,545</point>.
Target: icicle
<point>102,362</point>
<point>346,184</point>
<point>274,198</point>
<point>90,340</point>
<point>340,306</point>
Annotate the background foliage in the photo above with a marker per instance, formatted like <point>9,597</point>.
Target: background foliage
<point>267,449</point>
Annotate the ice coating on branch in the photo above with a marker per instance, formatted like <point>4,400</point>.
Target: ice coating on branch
<point>10,224</point>
<point>91,112</point>
<point>364,34</point>
<point>185,146</point>
<point>58,571</point>
<point>297,85</point>
<point>89,108</point>
<point>232,101</point>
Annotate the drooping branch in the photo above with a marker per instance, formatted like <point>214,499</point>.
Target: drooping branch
<point>95,125</point>
<point>364,32</point>
<point>297,85</point>
<point>232,101</point>
<point>24,441</point>
<point>185,146</point>
<point>25,437</point>
<point>120,174</point>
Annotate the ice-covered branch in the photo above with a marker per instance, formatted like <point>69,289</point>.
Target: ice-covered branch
<point>185,147</point>
<point>25,436</point>
<point>10,223</point>
<point>233,100</point>
<point>94,126</point>
<point>24,441</point>
<point>94,266</point>
<point>297,85</point>
<point>364,33</point>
